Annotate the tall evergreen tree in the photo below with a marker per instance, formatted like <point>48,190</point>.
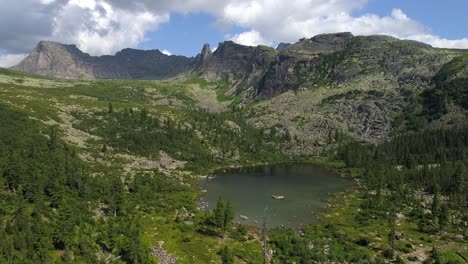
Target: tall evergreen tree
<point>228,215</point>
<point>219,213</point>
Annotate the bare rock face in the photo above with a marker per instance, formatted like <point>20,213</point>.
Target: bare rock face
<point>68,62</point>
<point>328,59</point>
<point>359,83</point>
<point>240,66</point>
<point>57,60</point>
<point>376,61</point>
<point>229,62</point>
<point>282,46</point>
<point>261,72</point>
<point>203,58</point>
<point>323,43</point>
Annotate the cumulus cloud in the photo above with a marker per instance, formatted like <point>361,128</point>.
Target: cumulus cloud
<point>273,21</point>
<point>95,26</point>
<point>439,42</point>
<point>249,38</point>
<point>24,23</point>
<point>106,26</point>
<point>46,2</point>
<point>165,51</point>
<point>99,28</point>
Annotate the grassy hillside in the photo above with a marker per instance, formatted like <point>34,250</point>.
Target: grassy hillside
<point>106,171</point>
<point>96,170</point>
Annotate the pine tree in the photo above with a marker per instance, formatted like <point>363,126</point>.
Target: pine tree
<point>42,240</point>
<point>218,214</point>
<point>53,138</point>
<point>143,115</point>
<point>116,197</point>
<point>110,110</point>
<point>443,217</point>
<point>104,148</point>
<point>227,257</point>
<point>65,224</point>
<point>392,233</point>
<point>56,189</point>
<point>436,203</point>
<point>228,215</point>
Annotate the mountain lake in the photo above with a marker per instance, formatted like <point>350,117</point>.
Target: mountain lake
<point>282,194</point>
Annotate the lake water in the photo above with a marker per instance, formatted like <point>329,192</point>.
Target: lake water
<point>305,188</point>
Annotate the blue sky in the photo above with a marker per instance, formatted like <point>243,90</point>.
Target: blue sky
<point>447,18</point>
<point>182,27</point>
<point>186,34</point>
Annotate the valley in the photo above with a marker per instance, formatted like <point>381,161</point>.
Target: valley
<point>103,170</point>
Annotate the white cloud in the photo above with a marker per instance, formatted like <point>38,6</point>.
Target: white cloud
<point>165,51</point>
<point>90,4</point>
<point>9,60</point>
<point>98,28</point>
<point>273,21</point>
<point>439,42</point>
<point>248,38</point>
<point>286,21</point>
<point>46,2</point>
<point>106,26</point>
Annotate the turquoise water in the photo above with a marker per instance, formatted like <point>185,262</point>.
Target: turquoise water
<point>305,188</point>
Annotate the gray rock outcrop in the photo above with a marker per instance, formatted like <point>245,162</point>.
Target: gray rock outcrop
<point>68,62</point>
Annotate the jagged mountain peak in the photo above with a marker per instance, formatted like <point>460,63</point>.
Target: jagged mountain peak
<point>58,60</point>
<point>258,71</point>
<point>202,59</point>
<point>47,43</point>
<point>52,46</point>
<point>206,50</point>
<point>282,46</point>
<point>229,46</point>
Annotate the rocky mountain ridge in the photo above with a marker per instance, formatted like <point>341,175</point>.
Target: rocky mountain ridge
<point>259,72</point>
<point>62,61</point>
<point>368,82</point>
<point>368,86</point>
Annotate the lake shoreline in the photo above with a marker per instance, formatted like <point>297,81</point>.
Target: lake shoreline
<point>333,166</point>
<point>307,190</point>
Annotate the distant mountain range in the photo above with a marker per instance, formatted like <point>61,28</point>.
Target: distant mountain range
<point>369,86</point>
<point>68,62</point>
<point>260,72</point>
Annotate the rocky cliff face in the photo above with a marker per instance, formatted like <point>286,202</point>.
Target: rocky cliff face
<point>282,46</point>
<point>229,62</point>
<point>329,59</point>
<point>361,85</point>
<point>240,66</point>
<point>202,59</point>
<point>357,84</point>
<point>57,60</point>
<point>337,59</point>
<point>261,72</point>
<point>68,62</point>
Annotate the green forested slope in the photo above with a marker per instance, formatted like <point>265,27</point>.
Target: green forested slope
<point>107,171</point>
